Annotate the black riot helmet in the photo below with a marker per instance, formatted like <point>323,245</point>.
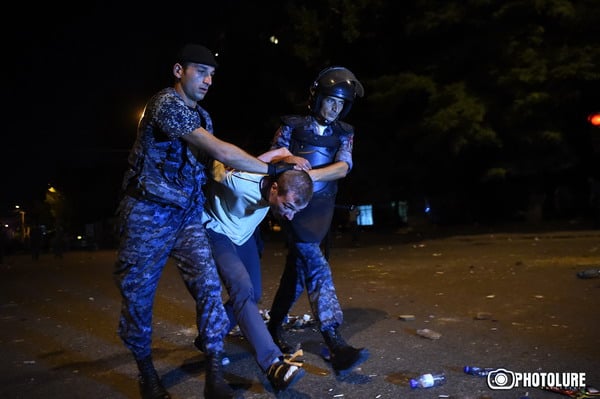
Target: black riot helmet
<point>338,82</point>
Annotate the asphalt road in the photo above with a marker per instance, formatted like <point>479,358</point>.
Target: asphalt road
<point>507,299</point>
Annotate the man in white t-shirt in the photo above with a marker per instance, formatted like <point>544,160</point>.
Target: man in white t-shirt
<point>236,204</point>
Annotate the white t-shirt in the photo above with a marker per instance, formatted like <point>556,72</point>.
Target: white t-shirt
<point>234,205</point>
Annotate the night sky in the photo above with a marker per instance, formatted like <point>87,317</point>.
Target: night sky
<point>79,79</point>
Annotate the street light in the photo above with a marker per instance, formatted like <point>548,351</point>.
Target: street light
<point>55,199</point>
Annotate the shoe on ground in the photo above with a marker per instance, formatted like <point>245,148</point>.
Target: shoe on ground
<point>152,388</point>
<point>215,386</point>
<point>285,372</point>
<point>345,358</point>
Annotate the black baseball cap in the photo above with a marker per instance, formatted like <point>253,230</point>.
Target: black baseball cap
<point>196,53</point>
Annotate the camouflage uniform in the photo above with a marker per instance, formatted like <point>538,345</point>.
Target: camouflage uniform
<point>160,215</point>
<point>322,139</point>
<point>306,266</point>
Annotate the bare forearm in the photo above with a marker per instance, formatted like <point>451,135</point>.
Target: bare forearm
<point>335,171</point>
<point>239,159</point>
<point>225,152</point>
<point>273,155</point>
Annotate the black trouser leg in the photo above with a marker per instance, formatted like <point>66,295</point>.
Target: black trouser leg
<point>283,302</point>
<point>286,293</point>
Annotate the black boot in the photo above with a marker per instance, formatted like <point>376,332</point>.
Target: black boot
<point>276,332</point>
<point>344,357</point>
<point>150,385</point>
<point>215,386</point>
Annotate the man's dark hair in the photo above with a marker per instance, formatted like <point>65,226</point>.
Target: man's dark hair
<point>297,182</point>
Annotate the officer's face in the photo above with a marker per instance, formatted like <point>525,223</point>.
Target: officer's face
<point>331,108</point>
<point>194,80</point>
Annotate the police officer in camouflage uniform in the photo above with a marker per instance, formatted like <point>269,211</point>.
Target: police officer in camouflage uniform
<point>160,215</point>
<point>321,143</point>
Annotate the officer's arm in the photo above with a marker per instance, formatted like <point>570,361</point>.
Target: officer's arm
<point>335,171</point>
<point>275,155</point>
<point>225,152</point>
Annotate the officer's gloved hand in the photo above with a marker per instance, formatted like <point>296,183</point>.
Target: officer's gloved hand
<point>279,167</point>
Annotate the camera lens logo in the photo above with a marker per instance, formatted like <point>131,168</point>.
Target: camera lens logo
<point>501,379</point>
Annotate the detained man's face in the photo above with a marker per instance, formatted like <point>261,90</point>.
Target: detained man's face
<point>283,206</point>
<point>331,108</point>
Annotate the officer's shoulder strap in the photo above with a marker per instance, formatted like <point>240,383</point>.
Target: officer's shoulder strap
<point>345,128</point>
<point>293,120</point>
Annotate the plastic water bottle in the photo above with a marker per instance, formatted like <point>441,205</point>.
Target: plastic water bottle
<point>428,380</point>
<point>478,371</point>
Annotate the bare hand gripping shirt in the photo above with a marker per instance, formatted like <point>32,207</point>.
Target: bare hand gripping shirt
<point>234,205</point>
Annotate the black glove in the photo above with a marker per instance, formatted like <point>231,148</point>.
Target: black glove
<point>277,168</point>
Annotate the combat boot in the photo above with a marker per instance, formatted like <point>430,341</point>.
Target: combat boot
<point>215,386</point>
<point>344,357</point>
<point>149,381</point>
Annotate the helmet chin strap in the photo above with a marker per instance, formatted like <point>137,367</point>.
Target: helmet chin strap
<point>323,121</point>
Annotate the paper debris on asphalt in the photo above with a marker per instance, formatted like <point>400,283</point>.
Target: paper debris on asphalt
<point>427,333</point>
<point>483,316</point>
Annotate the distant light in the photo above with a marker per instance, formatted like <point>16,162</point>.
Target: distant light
<point>365,215</point>
<point>274,40</point>
<point>79,237</point>
<point>594,118</point>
